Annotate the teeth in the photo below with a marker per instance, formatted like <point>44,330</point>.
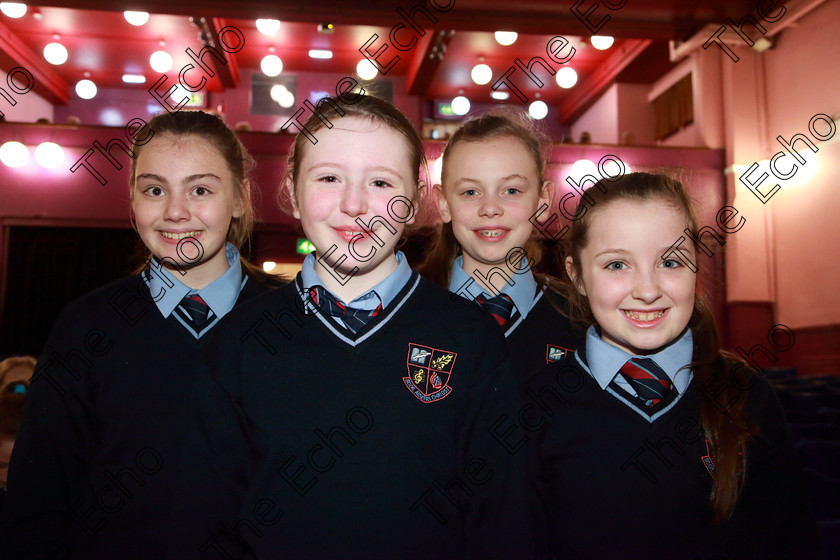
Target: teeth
<point>490,232</point>
<point>168,235</point>
<point>644,316</point>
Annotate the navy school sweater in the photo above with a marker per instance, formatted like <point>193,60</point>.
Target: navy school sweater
<point>616,485</point>
<point>543,337</point>
<point>97,457</point>
<point>389,444</point>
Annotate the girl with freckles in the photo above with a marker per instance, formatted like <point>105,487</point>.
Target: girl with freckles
<point>657,443</point>
<point>99,450</point>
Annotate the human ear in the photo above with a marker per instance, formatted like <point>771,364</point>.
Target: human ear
<point>288,184</point>
<point>443,206</point>
<point>573,275</point>
<point>240,201</point>
<point>545,194</point>
<point>418,197</point>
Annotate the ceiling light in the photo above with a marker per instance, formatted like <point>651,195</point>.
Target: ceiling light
<point>320,53</point>
<point>14,154</point>
<point>86,89</point>
<point>282,96</point>
<point>134,79</point>
<point>481,74</point>
<point>583,167</point>
<point>499,95</point>
<point>136,18</point>
<point>13,9</point>
<point>566,77</point>
<point>268,266</point>
<point>161,61</point>
<point>538,110</point>
<point>366,70</point>
<point>601,42</point>
<point>271,65</point>
<point>268,27</point>
<point>55,53</point>
<point>505,37</point>
<point>460,105</point>
<point>49,155</point>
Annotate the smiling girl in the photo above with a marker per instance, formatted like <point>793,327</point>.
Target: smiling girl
<point>492,182</point>
<point>351,412</point>
<point>98,453</point>
<point>657,439</point>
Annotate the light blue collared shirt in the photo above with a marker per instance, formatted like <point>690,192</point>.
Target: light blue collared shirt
<point>220,295</point>
<point>522,292</point>
<point>605,360</point>
<point>383,293</point>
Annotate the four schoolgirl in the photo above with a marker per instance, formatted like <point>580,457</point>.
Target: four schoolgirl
<point>362,411</point>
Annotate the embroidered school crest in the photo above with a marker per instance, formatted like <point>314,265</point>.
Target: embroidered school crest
<point>555,353</point>
<point>429,370</point>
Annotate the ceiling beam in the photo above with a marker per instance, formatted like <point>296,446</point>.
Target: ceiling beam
<point>48,84</point>
<point>428,56</point>
<point>587,92</point>
<point>228,73</point>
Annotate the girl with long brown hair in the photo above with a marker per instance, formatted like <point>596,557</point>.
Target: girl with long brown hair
<point>652,441</point>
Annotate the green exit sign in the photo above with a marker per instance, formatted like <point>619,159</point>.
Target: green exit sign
<point>445,109</point>
<point>304,246</point>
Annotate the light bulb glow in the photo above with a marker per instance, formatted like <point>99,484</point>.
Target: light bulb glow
<point>49,155</point>
<point>460,105</point>
<point>14,154</point>
<point>134,79</point>
<point>481,74</point>
<point>268,27</point>
<point>583,167</point>
<point>320,53</point>
<point>538,110</point>
<point>271,65</point>
<point>566,77</point>
<point>366,70</point>
<point>86,89</point>
<point>13,9</point>
<point>601,42</point>
<point>55,53</point>
<point>282,96</point>
<point>499,95</point>
<point>160,61</point>
<point>268,266</point>
<point>136,18</point>
<point>506,38</point>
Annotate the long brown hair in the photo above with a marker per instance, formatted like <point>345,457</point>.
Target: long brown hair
<point>719,376</point>
<point>437,266</point>
<point>240,163</point>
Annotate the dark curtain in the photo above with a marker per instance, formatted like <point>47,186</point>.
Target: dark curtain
<point>673,109</point>
<point>49,267</point>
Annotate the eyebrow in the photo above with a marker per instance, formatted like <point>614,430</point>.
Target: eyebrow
<point>503,179</point>
<point>379,168</point>
<point>662,251</point>
<point>187,179</point>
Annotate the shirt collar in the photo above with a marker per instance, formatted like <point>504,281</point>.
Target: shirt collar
<point>220,295</point>
<point>383,293</point>
<point>522,292</point>
<point>604,359</point>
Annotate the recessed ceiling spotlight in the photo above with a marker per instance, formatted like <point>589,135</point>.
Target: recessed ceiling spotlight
<point>13,9</point>
<point>86,89</point>
<point>538,110</point>
<point>481,74</point>
<point>601,42</point>
<point>160,61</point>
<point>271,65</point>
<point>506,38</point>
<point>14,154</point>
<point>136,18</point>
<point>320,53</point>
<point>268,27</point>
<point>460,105</point>
<point>366,70</point>
<point>55,53</point>
<point>49,155</point>
<point>499,95</point>
<point>134,79</point>
<point>566,77</point>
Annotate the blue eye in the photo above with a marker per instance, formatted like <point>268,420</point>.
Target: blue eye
<point>469,192</point>
<point>616,265</point>
<point>671,263</point>
<point>512,190</point>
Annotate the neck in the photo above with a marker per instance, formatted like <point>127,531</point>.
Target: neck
<point>356,285</point>
<point>488,276</point>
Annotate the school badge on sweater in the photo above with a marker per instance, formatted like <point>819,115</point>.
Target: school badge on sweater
<point>429,371</point>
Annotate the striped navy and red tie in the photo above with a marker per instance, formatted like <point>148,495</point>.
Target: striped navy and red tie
<point>648,380</point>
<point>198,312</point>
<point>354,319</point>
<point>500,307</point>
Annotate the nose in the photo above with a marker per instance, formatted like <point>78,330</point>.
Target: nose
<point>354,200</point>
<point>647,286</point>
<point>176,209</point>
<point>490,206</point>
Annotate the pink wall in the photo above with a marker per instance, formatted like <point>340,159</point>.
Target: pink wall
<point>600,120</point>
<point>29,107</point>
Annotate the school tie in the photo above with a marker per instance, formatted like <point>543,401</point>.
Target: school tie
<point>649,381</point>
<point>354,319</point>
<point>197,312</point>
<point>500,307</point>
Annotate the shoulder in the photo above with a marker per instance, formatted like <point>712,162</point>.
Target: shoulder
<point>567,375</point>
<point>449,306</point>
<point>125,298</point>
